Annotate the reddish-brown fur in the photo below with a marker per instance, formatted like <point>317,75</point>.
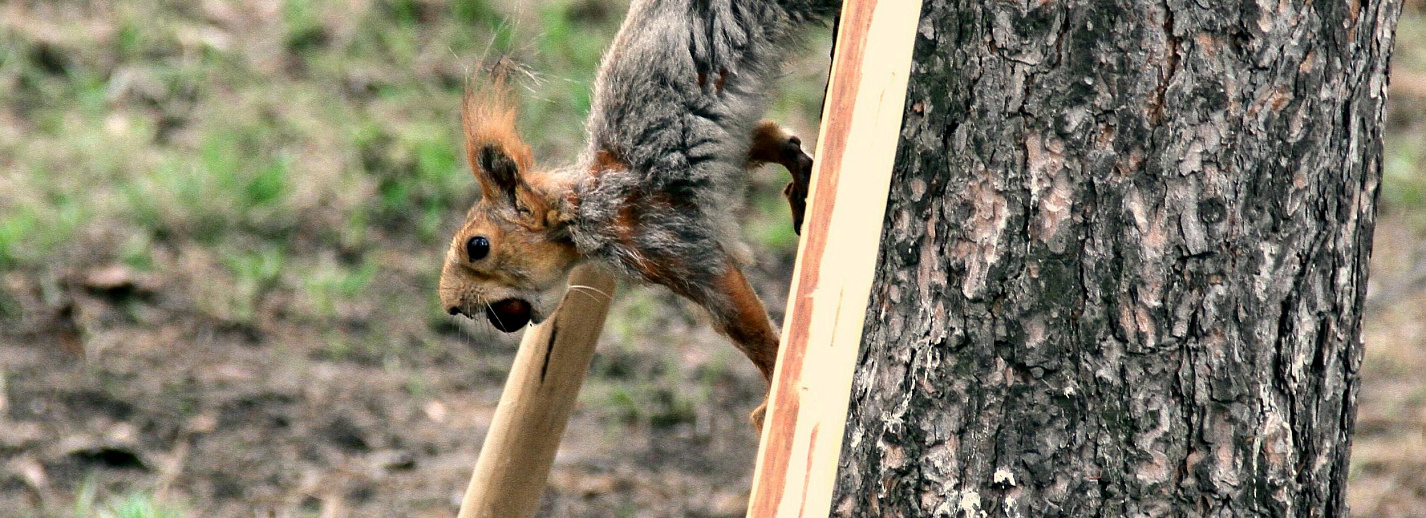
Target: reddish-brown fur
<point>768,141</point>
<point>717,83</point>
<point>527,239</point>
<point>605,160</point>
<point>746,323</point>
<point>489,120</point>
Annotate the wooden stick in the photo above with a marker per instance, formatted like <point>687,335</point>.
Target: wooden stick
<point>861,125</point>
<point>554,356</point>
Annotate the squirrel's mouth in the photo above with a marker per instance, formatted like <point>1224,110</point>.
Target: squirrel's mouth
<point>509,315</point>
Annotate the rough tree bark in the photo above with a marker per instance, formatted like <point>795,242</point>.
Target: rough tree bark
<point>1124,261</point>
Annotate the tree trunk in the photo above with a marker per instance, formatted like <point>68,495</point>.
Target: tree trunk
<point>1124,260</point>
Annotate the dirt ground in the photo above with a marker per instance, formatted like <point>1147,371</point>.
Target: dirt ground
<point>221,225</point>
<point>230,420</point>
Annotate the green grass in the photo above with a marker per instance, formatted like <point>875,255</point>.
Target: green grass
<point>1403,187</point>
<point>330,284</point>
<point>253,275</point>
<point>32,231</point>
<point>139,506</point>
<point>16,229</point>
<point>1403,179</point>
<point>177,129</point>
<point>88,504</point>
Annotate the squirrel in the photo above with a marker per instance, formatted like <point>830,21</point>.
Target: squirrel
<point>673,131</point>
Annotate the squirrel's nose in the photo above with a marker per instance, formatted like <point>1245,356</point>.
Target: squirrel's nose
<point>455,310</point>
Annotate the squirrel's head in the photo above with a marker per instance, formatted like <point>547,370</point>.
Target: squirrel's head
<point>510,258</point>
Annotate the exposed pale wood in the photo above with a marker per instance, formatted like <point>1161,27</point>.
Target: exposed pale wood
<point>797,460</point>
<point>534,408</point>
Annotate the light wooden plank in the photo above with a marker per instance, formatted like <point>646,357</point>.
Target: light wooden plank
<point>861,123</point>
<point>544,382</point>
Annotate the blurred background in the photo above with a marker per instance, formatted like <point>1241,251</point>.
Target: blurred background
<point>222,223</point>
<point>221,229</point>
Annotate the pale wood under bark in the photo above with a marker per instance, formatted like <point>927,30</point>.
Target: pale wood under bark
<point>833,275</point>
<point>544,382</point>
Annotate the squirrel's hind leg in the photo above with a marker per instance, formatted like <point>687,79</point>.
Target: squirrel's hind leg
<point>772,144</point>
<point>738,313</point>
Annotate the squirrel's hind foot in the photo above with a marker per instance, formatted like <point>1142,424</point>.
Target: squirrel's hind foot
<point>772,144</point>
<point>800,165</point>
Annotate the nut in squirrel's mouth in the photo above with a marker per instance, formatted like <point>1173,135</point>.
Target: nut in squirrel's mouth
<point>507,315</point>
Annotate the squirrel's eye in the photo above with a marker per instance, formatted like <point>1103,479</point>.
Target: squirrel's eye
<point>476,248</point>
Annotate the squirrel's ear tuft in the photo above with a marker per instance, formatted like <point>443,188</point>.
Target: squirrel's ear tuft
<point>497,169</point>
<point>494,149</point>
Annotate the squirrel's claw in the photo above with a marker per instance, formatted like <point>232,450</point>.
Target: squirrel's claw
<point>756,418</point>
<point>800,165</point>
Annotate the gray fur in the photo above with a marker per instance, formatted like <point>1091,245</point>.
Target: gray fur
<point>682,142</point>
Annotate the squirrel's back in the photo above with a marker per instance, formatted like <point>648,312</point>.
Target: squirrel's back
<point>676,99</point>
<point>685,81</point>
